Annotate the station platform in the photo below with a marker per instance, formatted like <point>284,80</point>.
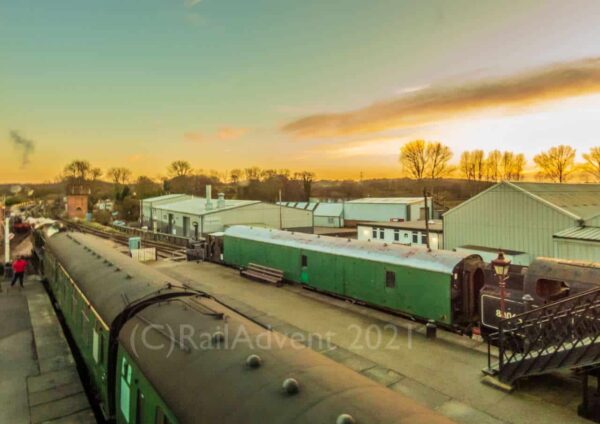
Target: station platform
<point>39,380</point>
<point>443,374</point>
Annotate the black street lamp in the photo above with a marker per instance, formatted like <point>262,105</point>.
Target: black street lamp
<point>501,267</point>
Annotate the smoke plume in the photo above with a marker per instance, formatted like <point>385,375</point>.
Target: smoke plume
<point>24,146</point>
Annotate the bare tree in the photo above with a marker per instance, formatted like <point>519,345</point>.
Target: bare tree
<point>438,159</point>
<point>253,173</point>
<point>518,167</point>
<point>95,174</point>
<point>413,158</point>
<point>235,175</point>
<point>557,163</point>
<point>592,162</point>
<point>492,165</point>
<point>179,168</point>
<point>119,175</point>
<point>78,170</point>
<point>467,166</point>
<point>307,179</point>
<point>478,159</point>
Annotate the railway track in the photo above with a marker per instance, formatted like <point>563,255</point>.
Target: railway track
<point>163,250</point>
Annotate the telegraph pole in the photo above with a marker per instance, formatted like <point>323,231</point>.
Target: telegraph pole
<point>426,219</point>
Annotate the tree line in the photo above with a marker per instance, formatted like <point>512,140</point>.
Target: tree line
<point>422,159</point>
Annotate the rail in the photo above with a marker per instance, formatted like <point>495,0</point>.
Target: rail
<point>154,236</point>
<point>563,334</point>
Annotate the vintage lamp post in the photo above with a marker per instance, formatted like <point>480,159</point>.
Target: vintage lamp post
<point>501,267</point>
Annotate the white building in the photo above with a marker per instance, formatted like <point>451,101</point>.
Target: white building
<point>384,209</point>
<point>410,233</point>
<point>190,216</point>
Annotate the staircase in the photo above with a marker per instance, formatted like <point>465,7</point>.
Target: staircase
<point>563,334</point>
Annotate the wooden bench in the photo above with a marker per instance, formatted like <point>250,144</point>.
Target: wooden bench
<point>263,273</point>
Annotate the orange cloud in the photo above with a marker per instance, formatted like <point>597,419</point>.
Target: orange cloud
<point>437,103</point>
<point>231,133</point>
<point>193,136</point>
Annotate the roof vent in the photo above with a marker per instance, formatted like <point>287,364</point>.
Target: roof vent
<point>209,205</point>
<point>345,419</point>
<point>291,386</point>
<point>221,200</point>
<point>253,361</point>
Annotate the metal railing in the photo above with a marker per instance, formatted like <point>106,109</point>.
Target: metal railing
<point>563,334</point>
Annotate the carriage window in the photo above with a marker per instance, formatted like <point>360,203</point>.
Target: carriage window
<point>396,235</point>
<point>390,279</point>
<point>415,238</point>
<point>374,233</point>
<point>161,418</point>
<point>125,390</point>
<point>304,260</point>
<point>97,346</point>
<point>551,290</point>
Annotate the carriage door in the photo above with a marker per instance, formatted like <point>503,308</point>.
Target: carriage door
<point>473,281</point>
<point>303,268</point>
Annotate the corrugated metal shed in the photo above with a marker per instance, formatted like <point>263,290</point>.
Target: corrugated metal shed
<point>437,260</point>
<point>580,233</point>
<point>329,209</point>
<point>197,205</point>
<point>582,200</point>
<point>388,200</point>
<point>508,217</point>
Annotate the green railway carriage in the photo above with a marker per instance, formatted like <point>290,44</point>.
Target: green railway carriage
<point>132,329</point>
<point>436,285</point>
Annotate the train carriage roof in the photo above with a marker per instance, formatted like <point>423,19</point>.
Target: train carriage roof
<point>109,280</point>
<point>442,261</point>
<point>563,270</point>
<point>204,382</point>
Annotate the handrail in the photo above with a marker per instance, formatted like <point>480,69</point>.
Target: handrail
<point>547,337</point>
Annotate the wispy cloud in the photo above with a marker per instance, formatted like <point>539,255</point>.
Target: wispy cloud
<point>192,3</point>
<point>231,133</point>
<point>194,136</point>
<point>436,103</point>
<point>223,134</point>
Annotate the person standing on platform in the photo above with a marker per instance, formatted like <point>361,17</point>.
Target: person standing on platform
<point>19,267</point>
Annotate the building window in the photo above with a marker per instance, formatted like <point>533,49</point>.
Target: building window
<point>304,261</point>
<point>423,238</point>
<point>396,235</point>
<point>381,233</point>
<point>390,279</point>
<point>374,233</point>
<point>330,220</point>
<point>415,237</point>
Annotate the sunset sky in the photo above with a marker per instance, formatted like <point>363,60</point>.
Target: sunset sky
<point>335,87</point>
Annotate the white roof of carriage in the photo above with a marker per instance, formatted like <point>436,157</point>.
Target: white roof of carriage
<point>412,257</point>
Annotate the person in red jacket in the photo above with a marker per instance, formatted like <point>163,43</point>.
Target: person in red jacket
<point>18,267</point>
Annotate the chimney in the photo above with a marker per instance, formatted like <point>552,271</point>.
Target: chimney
<point>221,200</point>
<point>208,197</point>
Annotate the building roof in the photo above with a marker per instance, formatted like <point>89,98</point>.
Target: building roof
<point>329,209</point>
<point>435,225</point>
<point>164,197</point>
<point>442,261</point>
<point>579,201</point>
<point>388,200</point>
<point>580,233</point>
<point>582,200</point>
<point>197,205</point>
